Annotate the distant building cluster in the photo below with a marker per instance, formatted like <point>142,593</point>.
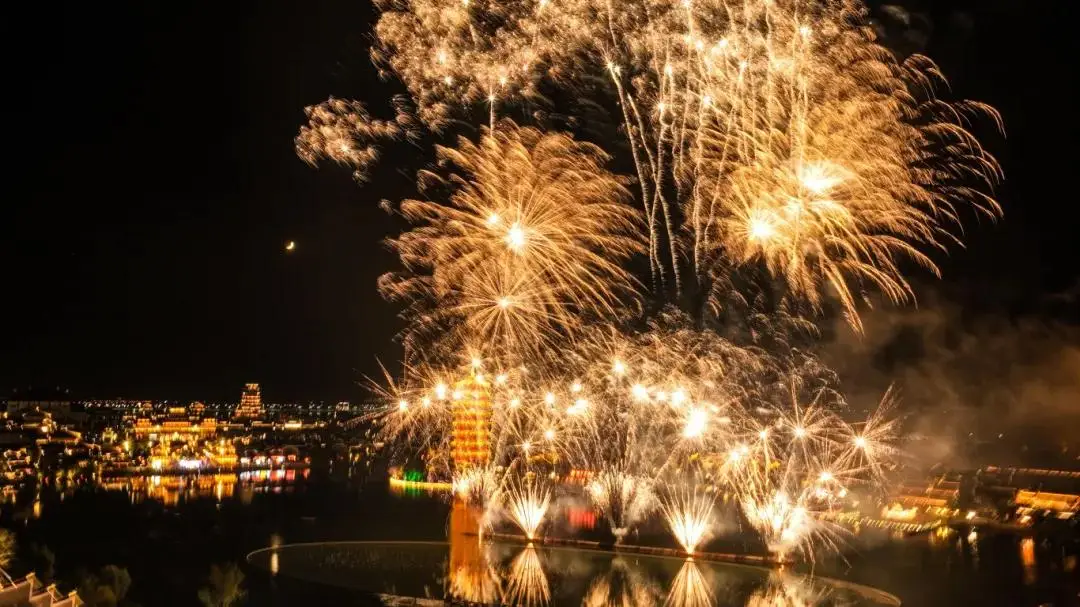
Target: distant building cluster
<point>42,430</point>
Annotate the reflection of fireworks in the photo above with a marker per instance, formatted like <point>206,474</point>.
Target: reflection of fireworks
<point>527,584</point>
<point>476,583</point>
<point>621,586</point>
<point>528,501</point>
<point>688,513</point>
<point>783,590</point>
<point>689,588</point>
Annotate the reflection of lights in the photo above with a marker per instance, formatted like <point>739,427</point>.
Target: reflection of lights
<point>618,367</point>
<point>527,584</point>
<point>1027,558</point>
<point>640,392</point>
<point>689,588</point>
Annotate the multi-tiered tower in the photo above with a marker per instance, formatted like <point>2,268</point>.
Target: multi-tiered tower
<point>470,444</point>
<point>250,406</point>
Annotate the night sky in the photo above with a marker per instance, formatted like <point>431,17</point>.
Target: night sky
<point>153,186</point>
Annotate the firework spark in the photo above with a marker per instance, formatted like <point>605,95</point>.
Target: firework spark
<point>624,499</point>
<point>528,502</point>
<point>770,130</point>
<point>343,131</point>
<point>529,242</point>
<point>688,513</point>
<point>773,135</point>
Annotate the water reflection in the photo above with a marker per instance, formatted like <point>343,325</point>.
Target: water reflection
<point>527,583</point>
<point>472,576</point>
<point>689,589</point>
<point>784,590</point>
<point>477,576</point>
<point>1027,558</point>
<point>473,571</point>
<point>171,490</point>
<point>622,585</point>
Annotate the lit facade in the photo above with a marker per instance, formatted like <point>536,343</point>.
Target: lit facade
<point>1060,503</point>
<point>175,423</point>
<point>250,406</point>
<point>470,444</point>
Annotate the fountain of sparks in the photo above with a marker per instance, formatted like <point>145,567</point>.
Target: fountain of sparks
<point>688,513</point>
<point>624,499</point>
<point>528,502</point>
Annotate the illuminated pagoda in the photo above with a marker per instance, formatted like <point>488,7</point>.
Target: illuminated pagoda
<point>250,406</point>
<point>471,441</point>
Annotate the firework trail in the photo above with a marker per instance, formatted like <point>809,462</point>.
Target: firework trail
<point>527,502</point>
<point>774,144</point>
<point>529,242</point>
<point>771,131</point>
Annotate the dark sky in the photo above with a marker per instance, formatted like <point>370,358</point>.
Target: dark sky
<point>153,184</point>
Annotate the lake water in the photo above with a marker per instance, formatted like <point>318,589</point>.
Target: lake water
<point>507,573</point>
<point>168,542</point>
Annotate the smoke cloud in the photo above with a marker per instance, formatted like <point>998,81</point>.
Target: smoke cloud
<point>975,388</point>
